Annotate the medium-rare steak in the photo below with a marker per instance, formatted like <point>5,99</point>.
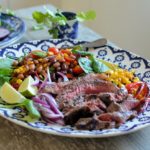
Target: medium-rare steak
<point>90,102</point>
<point>89,84</point>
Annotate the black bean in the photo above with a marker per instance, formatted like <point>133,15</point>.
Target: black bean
<point>52,59</point>
<point>56,64</point>
<point>70,70</point>
<point>36,61</point>
<point>71,65</point>
<point>20,76</point>
<point>31,66</point>
<point>39,68</point>
<point>58,68</point>
<point>64,66</point>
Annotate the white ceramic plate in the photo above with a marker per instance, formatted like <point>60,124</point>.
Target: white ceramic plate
<point>123,58</point>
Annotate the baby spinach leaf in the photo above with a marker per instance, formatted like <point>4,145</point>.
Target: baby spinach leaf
<point>85,64</point>
<point>98,66</point>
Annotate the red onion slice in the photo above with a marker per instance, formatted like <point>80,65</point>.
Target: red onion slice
<point>63,76</point>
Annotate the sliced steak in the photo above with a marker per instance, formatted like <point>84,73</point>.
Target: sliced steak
<point>113,107</point>
<point>107,98</point>
<point>85,109</point>
<point>91,102</point>
<point>89,84</point>
<point>129,105</point>
<point>73,115</point>
<point>93,124</point>
<point>118,117</point>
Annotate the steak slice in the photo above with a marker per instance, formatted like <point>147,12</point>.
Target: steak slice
<point>85,109</point>
<point>93,124</point>
<point>108,98</point>
<point>118,117</point>
<point>73,108</point>
<point>89,84</point>
<point>73,115</point>
<point>85,87</point>
<point>114,107</point>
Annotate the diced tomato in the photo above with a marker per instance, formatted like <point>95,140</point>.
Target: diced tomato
<point>69,59</point>
<point>77,70</point>
<point>69,75</point>
<point>54,50</point>
<point>139,90</point>
<point>67,51</point>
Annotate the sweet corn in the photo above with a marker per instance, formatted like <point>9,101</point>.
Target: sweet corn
<point>50,53</point>
<point>136,79</point>
<point>59,56</point>
<point>19,81</point>
<point>121,77</point>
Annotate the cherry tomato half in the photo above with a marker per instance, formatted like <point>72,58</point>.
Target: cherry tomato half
<point>54,50</point>
<point>139,90</point>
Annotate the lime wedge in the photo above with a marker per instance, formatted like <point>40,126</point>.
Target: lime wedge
<point>10,95</point>
<point>26,88</point>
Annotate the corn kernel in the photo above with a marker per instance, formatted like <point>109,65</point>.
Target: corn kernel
<point>58,57</point>
<point>136,79</point>
<point>50,53</point>
<point>19,81</point>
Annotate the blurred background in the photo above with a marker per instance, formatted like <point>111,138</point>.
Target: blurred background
<point>124,22</point>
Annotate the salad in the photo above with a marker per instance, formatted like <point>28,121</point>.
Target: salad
<point>71,87</point>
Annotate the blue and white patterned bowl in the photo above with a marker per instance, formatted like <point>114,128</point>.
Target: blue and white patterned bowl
<point>15,25</point>
<point>70,30</point>
<point>121,57</point>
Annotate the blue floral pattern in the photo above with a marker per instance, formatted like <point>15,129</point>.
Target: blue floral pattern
<point>121,57</point>
<point>15,25</point>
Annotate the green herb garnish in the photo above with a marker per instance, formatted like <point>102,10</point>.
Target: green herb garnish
<point>52,20</point>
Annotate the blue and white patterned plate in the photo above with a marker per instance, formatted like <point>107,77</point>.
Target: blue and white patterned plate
<point>16,27</point>
<point>123,58</point>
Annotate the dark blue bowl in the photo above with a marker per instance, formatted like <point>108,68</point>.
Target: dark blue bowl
<point>70,30</point>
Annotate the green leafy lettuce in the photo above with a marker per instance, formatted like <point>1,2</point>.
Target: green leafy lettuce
<point>5,70</point>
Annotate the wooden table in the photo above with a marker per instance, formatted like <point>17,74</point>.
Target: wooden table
<point>14,137</point>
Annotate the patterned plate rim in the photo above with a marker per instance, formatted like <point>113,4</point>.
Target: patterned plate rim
<point>16,38</point>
